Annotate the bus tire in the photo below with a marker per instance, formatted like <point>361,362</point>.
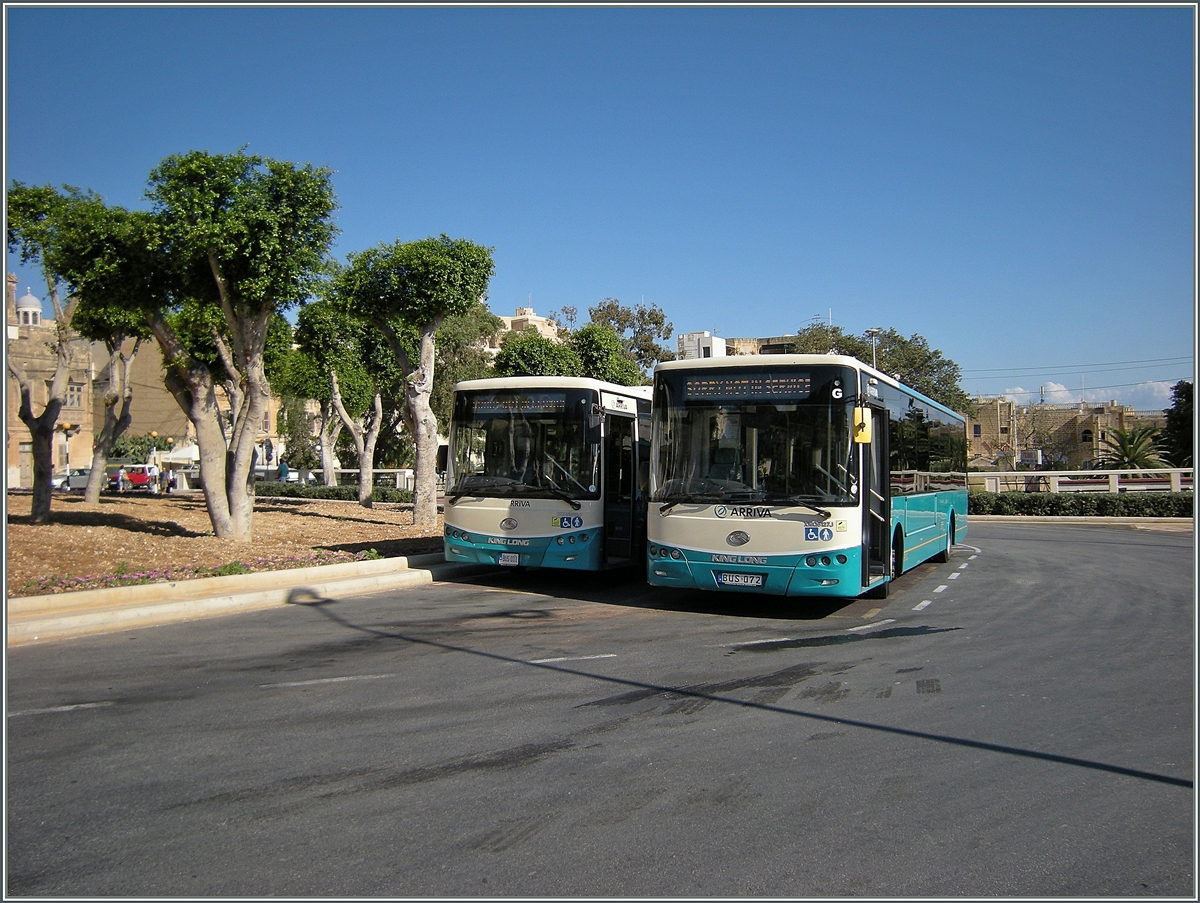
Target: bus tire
<point>897,554</point>
<point>944,555</point>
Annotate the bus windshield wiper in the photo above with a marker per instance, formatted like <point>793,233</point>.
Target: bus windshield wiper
<point>673,500</point>
<point>477,482</point>
<point>801,502</point>
<point>560,493</point>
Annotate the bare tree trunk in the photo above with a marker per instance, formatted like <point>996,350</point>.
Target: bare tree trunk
<point>423,424</point>
<point>116,422</point>
<point>331,428</point>
<point>41,428</point>
<point>364,437</point>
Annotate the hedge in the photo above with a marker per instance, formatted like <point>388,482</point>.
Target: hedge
<point>1083,504</point>
<point>344,493</point>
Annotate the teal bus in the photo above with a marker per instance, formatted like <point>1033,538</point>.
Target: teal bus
<point>547,472</point>
<point>798,475</point>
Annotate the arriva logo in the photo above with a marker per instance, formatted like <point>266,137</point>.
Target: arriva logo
<point>721,511</point>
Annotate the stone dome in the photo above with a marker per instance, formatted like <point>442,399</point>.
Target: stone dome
<point>28,302</point>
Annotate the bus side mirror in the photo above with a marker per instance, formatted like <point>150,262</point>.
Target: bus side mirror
<point>442,453</point>
<point>595,433</point>
<point>862,426</point>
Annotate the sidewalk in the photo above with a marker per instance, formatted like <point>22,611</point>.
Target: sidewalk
<point>68,615</point>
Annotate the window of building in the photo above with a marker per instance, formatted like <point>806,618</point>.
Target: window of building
<point>1086,437</point>
<point>1003,431</point>
<point>977,431</point>
<point>266,422</point>
<point>75,395</point>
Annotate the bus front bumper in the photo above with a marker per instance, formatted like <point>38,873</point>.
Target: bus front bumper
<point>829,573</point>
<point>579,550</point>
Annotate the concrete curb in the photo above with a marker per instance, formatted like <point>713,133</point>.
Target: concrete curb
<point>68,615</point>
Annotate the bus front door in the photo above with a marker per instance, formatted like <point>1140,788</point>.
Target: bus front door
<point>620,482</point>
<point>877,508</point>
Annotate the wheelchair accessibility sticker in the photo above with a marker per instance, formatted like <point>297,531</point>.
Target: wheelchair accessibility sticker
<point>818,534</point>
<point>567,522</point>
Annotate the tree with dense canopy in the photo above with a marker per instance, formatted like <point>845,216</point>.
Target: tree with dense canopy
<point>34,218</point>
<point>249,238</point>
<point>405,290</point>
<point>1177,437</point>
<point>110,256</point>
<point>639,329</point>
<point>910,360</point>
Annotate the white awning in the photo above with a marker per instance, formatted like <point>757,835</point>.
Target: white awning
<point>186,454</point>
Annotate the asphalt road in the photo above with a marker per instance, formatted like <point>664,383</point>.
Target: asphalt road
<point>1016,722</point>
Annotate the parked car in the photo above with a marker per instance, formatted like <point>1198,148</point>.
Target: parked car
<point>77,479</point>
<point>138,478</point>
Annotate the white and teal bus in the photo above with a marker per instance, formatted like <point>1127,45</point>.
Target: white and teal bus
<point>547,472</point>
<point>799,475</point>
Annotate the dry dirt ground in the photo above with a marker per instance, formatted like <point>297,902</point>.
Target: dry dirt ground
<point>85,546</point>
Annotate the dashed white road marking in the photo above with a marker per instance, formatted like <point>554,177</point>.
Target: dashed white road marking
<point>326,680</point>
<point>586,658</point>
<point>870,626</point>
<point>942,588</point>
<point>872,613</point>
<point>922,605</point>
<point>972,558</point>
<point>964,565</point>
<point>60,708</point>
<point>954,576</point>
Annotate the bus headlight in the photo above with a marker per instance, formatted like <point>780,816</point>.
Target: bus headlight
<point>676,554</point>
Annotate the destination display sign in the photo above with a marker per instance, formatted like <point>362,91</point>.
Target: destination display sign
<point>485,405</point>
<point>742,385</point>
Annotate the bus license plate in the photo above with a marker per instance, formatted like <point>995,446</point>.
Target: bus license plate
<point>726,579</point>
<point>510,558</point>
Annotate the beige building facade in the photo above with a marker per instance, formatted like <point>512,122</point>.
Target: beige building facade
<point>1003,434</point>
<point>31,344</point>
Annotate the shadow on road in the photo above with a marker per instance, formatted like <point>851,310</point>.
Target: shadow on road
<point>713,694</point>
<point>627,588</point>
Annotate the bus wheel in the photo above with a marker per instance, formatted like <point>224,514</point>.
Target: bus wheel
<point>943,556</point>
<point>897,554</point>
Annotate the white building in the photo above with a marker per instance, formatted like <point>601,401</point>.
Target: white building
<point>691,345</point>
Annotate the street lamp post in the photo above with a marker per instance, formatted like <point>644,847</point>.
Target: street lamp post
<point>69,430</point>
<point>873,332</point>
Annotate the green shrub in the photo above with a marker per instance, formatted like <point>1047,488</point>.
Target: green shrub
<point>228,570</point>
<point>1083,504</point>
<point>979,502</point>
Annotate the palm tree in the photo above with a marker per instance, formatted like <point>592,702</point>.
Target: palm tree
<point>1132,449</point>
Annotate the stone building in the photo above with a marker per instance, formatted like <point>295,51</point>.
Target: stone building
<point>1003,434</point>
<point>31,343</point>
<point>523,319</point>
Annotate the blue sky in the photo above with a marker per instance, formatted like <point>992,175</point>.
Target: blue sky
<point>1014,184</point>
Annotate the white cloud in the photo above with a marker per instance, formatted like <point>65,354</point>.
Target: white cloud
<point>1147,396</point>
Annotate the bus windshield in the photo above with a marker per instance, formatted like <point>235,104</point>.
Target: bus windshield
<point>528,443</point>
<point>770,436</point>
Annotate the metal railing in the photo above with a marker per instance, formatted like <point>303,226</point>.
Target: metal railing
<point>1172,479</point>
